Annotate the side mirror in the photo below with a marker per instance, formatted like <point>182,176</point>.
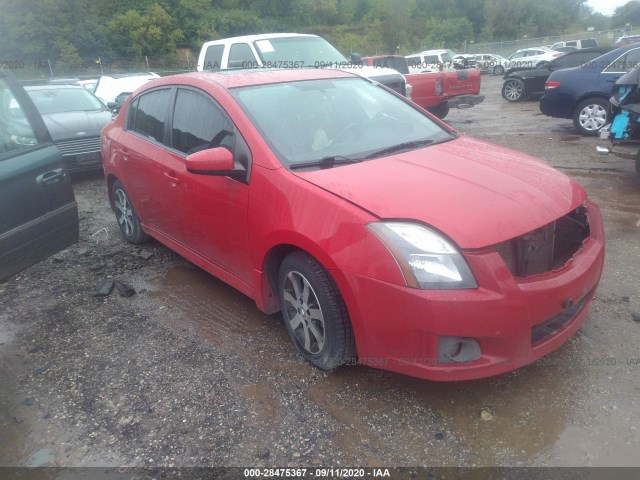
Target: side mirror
<point>112,105</point>
<point>214,161</point>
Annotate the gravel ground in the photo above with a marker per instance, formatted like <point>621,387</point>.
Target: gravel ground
<point>175,368</point>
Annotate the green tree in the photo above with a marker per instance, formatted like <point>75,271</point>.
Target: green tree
<point>449,33</point>
<point>148,33</point>
<point>627,13</point>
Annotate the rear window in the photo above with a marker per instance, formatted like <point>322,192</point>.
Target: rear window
<point>148,112</point>
<point>213,57</point>
<point>589,43</point>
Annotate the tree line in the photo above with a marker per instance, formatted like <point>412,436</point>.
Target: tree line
<point>67,32</point>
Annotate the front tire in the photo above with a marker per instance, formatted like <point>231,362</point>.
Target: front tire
<point>127,218</point>
<point>513,90</point>
<point>590,116</point>
<point>314,312</point>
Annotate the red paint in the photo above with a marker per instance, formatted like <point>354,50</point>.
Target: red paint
<point>478,194</point>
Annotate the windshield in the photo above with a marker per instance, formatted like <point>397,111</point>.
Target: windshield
<point>65,100</point>
<point>311,51</point>
<point>352,118</point>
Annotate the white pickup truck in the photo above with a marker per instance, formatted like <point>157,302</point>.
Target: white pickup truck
<point>291,50</point>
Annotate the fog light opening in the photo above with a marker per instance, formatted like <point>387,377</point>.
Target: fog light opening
<point>457,349</point>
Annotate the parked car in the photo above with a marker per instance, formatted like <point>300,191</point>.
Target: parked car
<point>489,62</point>
<point>39,215</point>
<point>430,61</point>
<point>582,93</point>
<point>74,117</point>
<point>522,84</point>
<point>464,60</point>
<point>436,91</point>
<point>109,87</point>
<point>583,43</point>
<point>626,40</point>
<point>528,58</point>
<point>384,236</point>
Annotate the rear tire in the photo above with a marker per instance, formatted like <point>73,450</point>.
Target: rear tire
<point>591,115</point>
<point>498,70</point>
<point>127,218</point>
<point>314,312</point>
<point>440,111</point>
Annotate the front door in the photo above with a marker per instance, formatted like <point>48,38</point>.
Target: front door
<point>38,212</point>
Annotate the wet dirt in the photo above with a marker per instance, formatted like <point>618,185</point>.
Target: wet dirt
<point>187,372</point>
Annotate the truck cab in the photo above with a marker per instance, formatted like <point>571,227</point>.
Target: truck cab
<point>290,50</point>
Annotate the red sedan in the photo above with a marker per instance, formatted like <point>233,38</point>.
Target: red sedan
<point>384,237</point>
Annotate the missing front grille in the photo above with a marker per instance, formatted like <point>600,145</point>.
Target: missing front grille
<point>546,248</point>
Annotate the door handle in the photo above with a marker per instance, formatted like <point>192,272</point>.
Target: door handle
<point>51,177</point>
<point>172,177</point>
<point>125,154</point>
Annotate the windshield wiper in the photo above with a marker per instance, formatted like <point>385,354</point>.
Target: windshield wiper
<point>326,162</point>
<point>399,147</point>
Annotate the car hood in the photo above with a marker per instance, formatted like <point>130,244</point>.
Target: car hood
<point>477,193</point>
<point>76,125</point>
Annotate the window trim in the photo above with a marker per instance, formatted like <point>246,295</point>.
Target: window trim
<point>217,105</point>
<point>604,70</point>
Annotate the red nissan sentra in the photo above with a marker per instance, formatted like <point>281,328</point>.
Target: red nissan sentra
<point>385,237</point>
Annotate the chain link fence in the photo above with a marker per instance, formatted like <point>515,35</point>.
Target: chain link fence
<point>38,70</point>
<point>506,48</point>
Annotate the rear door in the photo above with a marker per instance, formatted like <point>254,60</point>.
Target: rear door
<point>38,212</point>
<point>621,65</point>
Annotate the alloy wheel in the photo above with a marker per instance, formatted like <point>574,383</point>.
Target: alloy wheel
<point>303,312</point>
<point>124,213</point>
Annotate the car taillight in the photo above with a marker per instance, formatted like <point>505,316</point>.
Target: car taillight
<point>551,84</point>
<point>557,54</point>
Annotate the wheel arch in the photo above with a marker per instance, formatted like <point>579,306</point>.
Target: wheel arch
<point>111,179</point>
<point>587,96</point>
<point>267,297</point>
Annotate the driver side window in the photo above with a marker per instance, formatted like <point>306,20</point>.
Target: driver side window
<point>199,124</point>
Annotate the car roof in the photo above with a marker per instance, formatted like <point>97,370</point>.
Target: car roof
<point>600,50</point>
<point>250,77</point>
<point>253,38</point>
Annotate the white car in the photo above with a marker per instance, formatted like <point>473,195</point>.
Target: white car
<point>492,63</point>
<point>528,58</point>
<point>110,87</point>
<point>430,61</point>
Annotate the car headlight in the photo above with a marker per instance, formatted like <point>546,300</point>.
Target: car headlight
<point>427,260</point>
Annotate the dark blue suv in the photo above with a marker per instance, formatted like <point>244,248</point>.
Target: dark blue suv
<point>582,93</point>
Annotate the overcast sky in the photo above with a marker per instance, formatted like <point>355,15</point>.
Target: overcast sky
<point>606,7</point>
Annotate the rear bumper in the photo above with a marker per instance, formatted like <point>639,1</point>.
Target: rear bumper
<point>514,321</point>
<point>464,101</point>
